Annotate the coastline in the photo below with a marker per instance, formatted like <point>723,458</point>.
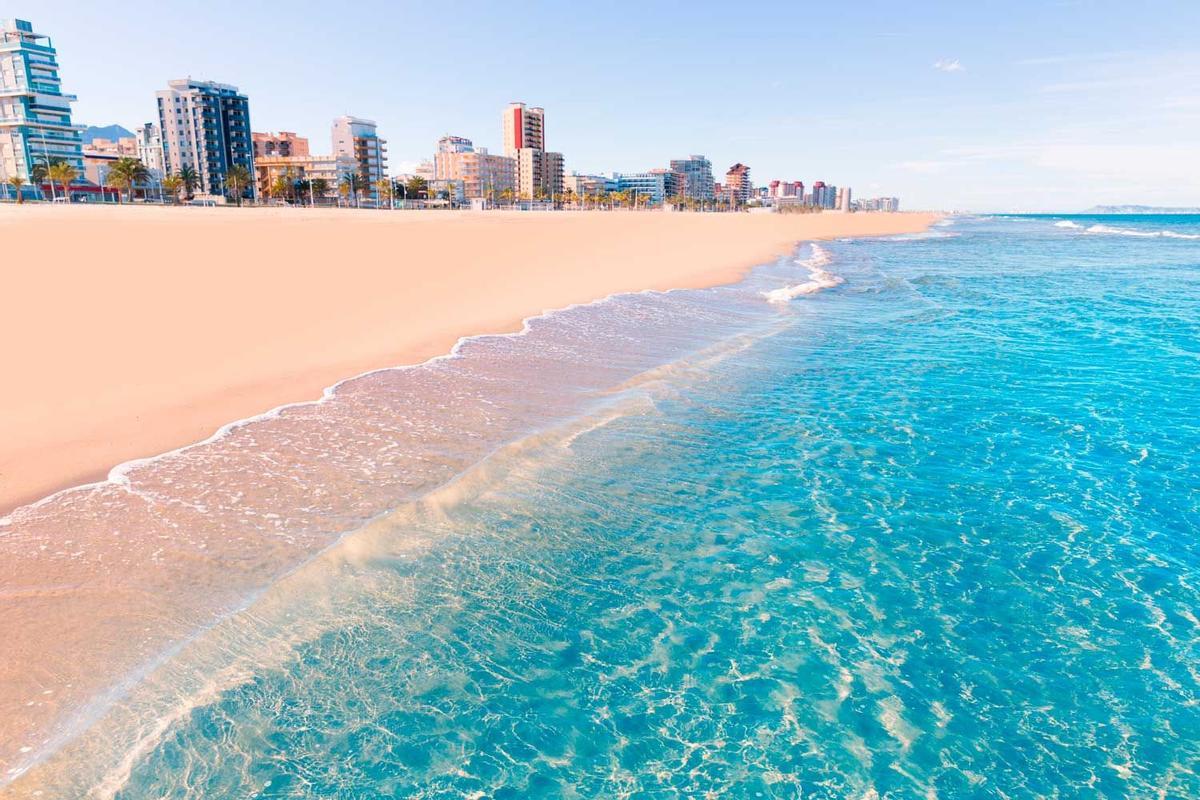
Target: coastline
<point>216,557</point>
<point>134,367</point>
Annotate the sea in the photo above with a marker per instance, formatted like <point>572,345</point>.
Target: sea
<point>902,517</point>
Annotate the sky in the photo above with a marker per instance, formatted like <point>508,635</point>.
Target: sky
<point>1020,105</point>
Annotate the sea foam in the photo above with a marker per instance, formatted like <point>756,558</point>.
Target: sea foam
<point>818,278</point>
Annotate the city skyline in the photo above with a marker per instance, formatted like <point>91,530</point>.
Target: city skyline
<point>947,107</point>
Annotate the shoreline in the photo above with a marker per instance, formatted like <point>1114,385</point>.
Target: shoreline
<point>52,461</point>
<point>82,591</point>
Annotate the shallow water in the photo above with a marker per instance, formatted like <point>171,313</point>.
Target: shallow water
<point>929,532</point>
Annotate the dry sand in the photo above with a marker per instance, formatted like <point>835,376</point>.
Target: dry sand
<point>132,331</point>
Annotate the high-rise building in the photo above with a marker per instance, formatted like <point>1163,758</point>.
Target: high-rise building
<point>818,194</point>
<point>843,199</point>
<point>539,173</point>
<point>35,114</point>
<point>284,144</point>
<point>697,175</point>
<point>737,183</point>
<point>149,149</point>
<point>359,139</point>
<point>205,127</point>
<point>523,128</point>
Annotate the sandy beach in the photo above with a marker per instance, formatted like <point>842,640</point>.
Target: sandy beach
<point>133,331</point>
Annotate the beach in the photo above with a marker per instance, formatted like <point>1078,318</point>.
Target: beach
<point>137,330</point>
<point>141,330</point>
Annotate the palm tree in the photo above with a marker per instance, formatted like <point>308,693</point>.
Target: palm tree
<point>16,181</point>
<point>40,174</point>
<point>319,188</point>
<point>64,174</point>
<point>352,184</point>
<point>384,187</point>
<point>281,187</point>
<point>237,179</point>
<point>416,186</point>
<point>125,173</point>
<point>190,181</point>
<point>171,184</point>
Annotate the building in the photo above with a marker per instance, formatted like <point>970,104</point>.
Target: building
<point>697,175</point>
<point>539,173</point>
<point>655,186</point>
<point>843,199</point>
<point>328,168</point>
<point>35,114</point>
<point>523,128</point>
<point>455,144</point>
<point>479,173</point>
<point>284,143</point>
<point>877,204</point>
<point>358,139</point>
<point>818,194</point>
<point>148,139</point>
<point>126,146</point>
<point>584,185</point>
<point>737,184</point>
<point>205,127</point>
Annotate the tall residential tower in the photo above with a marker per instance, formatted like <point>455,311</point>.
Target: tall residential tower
<point>35,115</point>
<point>539,173</point>
<point>205,127</point>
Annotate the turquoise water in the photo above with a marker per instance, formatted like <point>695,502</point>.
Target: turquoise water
<point>931,532</point>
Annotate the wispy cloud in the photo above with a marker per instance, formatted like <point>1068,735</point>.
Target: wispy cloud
<point>949,65</point>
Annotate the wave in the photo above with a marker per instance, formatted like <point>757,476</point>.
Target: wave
<point>818,279</point>
<point>1067,224</point>
<point>1142,234</point>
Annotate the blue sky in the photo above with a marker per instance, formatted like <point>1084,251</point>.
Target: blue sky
<point>979,105</point>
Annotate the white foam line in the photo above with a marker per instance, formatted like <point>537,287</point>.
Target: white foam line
<point>818,279</point>
<point>118,475</point>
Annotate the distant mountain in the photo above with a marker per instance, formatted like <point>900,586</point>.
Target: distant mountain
<point>111,132</point>
<point>1142,210</point>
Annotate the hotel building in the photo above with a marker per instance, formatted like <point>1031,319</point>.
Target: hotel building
<point>205,126</point>
<point>35,115</point>
<point>737,184</point>
<point>358,139</point>
<point>283,143</point>
<point>697,176</point>
<point>480,173</point>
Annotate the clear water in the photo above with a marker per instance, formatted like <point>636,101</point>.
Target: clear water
<point>931,532</point>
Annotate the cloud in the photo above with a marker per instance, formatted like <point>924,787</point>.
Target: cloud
<point>948,65</point>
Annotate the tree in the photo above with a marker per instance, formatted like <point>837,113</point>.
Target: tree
<point>280,188</point>
<point>16,181</point>
<point>384,187</point>
<point>416,186</point>
<point>40,174</point>
<point>63,174</point>
<point>127,172</point>
<point>352,184</point>
<point>190,181</point>
<point>237,179</point>
<point>319,187</point>
<point>171,186</point>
